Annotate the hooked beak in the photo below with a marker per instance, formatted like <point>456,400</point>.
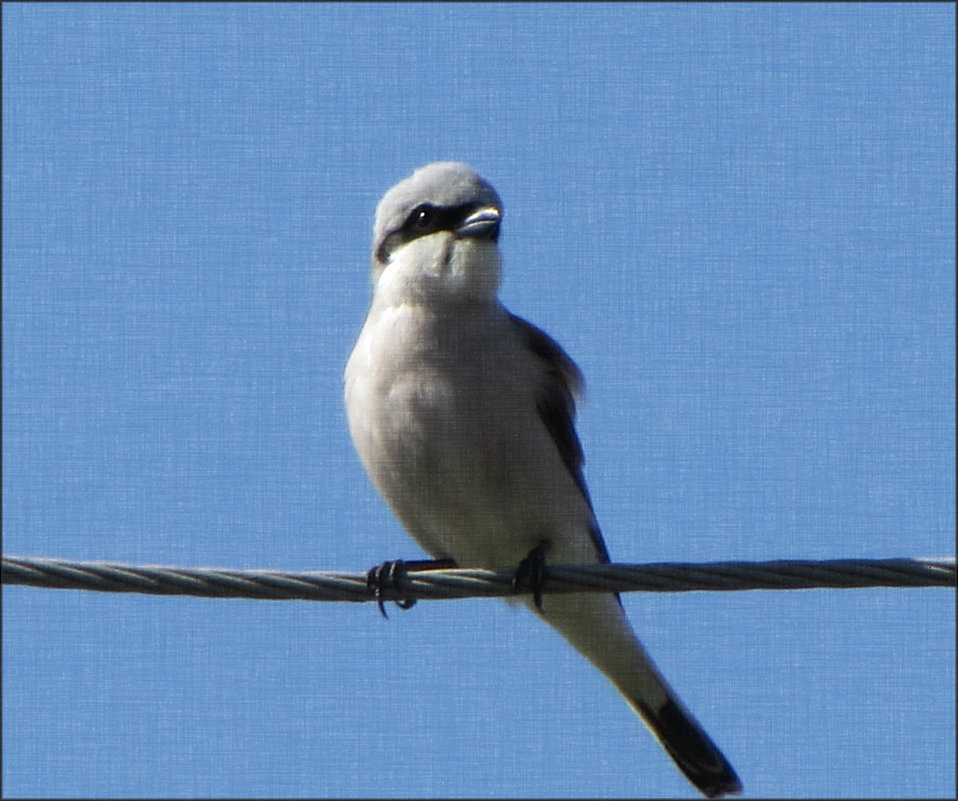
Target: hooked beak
<point>481,224</point>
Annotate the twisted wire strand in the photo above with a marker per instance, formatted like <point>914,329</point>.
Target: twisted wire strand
<point>419,582</point>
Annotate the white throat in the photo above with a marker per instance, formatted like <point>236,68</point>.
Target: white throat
<point>439,267</point>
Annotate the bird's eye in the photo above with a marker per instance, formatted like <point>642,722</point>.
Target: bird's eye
<point>422,217</point>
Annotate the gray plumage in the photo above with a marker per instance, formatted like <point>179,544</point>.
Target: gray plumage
<point>463,415</point>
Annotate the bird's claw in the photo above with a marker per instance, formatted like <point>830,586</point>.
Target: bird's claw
<point>392,576</point>
<point>389,576</point>
<point>531,572</point>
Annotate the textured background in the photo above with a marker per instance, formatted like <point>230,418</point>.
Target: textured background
<point>738,219</point>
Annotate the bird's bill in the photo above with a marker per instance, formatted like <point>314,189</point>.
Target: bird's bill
<point>481,224</point>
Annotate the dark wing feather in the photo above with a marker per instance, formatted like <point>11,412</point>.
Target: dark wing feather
<point>562,381</point>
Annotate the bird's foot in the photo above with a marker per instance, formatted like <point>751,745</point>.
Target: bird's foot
<point>531,573</point>
<point>391,576</point>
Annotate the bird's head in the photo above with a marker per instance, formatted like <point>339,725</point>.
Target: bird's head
<point>435,235</point>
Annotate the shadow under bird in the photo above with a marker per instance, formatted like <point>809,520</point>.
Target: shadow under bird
<point>463,415</point>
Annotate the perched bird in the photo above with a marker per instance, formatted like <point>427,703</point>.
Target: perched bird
<point>463,415</point>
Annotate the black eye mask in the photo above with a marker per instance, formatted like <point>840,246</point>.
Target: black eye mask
<point>424,220</point>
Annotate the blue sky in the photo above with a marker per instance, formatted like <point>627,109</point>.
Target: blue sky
<point>738,219</point>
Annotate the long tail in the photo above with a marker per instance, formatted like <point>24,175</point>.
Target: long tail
<point>597,627</point>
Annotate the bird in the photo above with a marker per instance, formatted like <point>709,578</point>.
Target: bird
<point>463,415</point>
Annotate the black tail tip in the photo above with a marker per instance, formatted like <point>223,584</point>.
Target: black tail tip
<point>718,786</point>
<point>693,751</point>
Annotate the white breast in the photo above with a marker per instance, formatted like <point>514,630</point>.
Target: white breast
<point>443,414</point>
